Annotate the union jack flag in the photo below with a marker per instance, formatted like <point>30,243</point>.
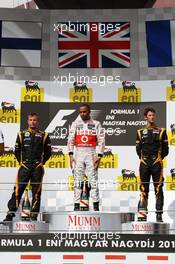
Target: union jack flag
<point>89,48</point>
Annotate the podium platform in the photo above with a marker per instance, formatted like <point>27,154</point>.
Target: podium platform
<point>81,235</point>
<point>25,227</point>
<point>29,227</point>
<point>145,228</point>
<point>87,221</point>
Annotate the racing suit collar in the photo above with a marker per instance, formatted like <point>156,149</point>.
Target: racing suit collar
<point>86,121</point>
<point>32,130</point>
<point>151,126</point>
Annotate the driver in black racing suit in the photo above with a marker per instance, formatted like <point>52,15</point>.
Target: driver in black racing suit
<point>152,148</point>
<point>32,150</point>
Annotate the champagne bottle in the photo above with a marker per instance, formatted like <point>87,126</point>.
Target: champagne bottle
<point>142,210</point>
<point>25,212</point>
<point>84,201</point>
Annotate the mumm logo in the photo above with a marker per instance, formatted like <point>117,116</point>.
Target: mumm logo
<point>78,220</point>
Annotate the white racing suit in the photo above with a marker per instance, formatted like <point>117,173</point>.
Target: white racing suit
<point>86,136</point>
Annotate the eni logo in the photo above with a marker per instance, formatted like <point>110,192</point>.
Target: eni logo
<point>32,92</point>
<point>171,134</point>
<point>8,160</point>
<point>58,159</point>
<point>80,93</point>
<point>9,113</point>
<point>170,180</point>
<point>170,91</point>
<point>128,181</point>
<point>129,92</point>
<point>109,160</point>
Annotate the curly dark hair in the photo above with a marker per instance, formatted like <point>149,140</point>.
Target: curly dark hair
<point>148,109</point>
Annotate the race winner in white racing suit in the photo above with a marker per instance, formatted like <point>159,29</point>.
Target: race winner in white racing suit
<point>89,138</point>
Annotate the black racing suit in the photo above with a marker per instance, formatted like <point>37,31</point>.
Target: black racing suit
<point>32,150</point>
<point>152,147</point>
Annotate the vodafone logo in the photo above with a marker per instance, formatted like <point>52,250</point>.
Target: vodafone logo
<point>84,139</point>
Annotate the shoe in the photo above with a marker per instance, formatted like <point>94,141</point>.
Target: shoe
<point>142,219</point>
<point>86,208</point>
<point>159,217</point>
<point>96,206</point>
<point>33,216</point>
<point>9,217</point>
<point>76,207</point>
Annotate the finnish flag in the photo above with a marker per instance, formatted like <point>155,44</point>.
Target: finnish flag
<point>160,38</point>
<point>20,43</point>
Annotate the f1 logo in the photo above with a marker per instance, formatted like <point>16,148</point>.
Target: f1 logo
<point>58,119</point>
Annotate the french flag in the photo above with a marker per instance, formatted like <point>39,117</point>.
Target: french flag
<point>160,38</point>
<point>20,44</point>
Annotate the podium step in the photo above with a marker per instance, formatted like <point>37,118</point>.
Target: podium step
<point>25,227</point>
<point>87,221</point>
<point>146,228</point>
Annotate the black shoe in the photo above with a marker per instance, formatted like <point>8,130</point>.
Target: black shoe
<point>142,219</point>
<point>33,216</point>
<point>76,207</point>
<point>9,217</point>
<point>96,206</point>
<point>159,217</point>
<point>86,208</point>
